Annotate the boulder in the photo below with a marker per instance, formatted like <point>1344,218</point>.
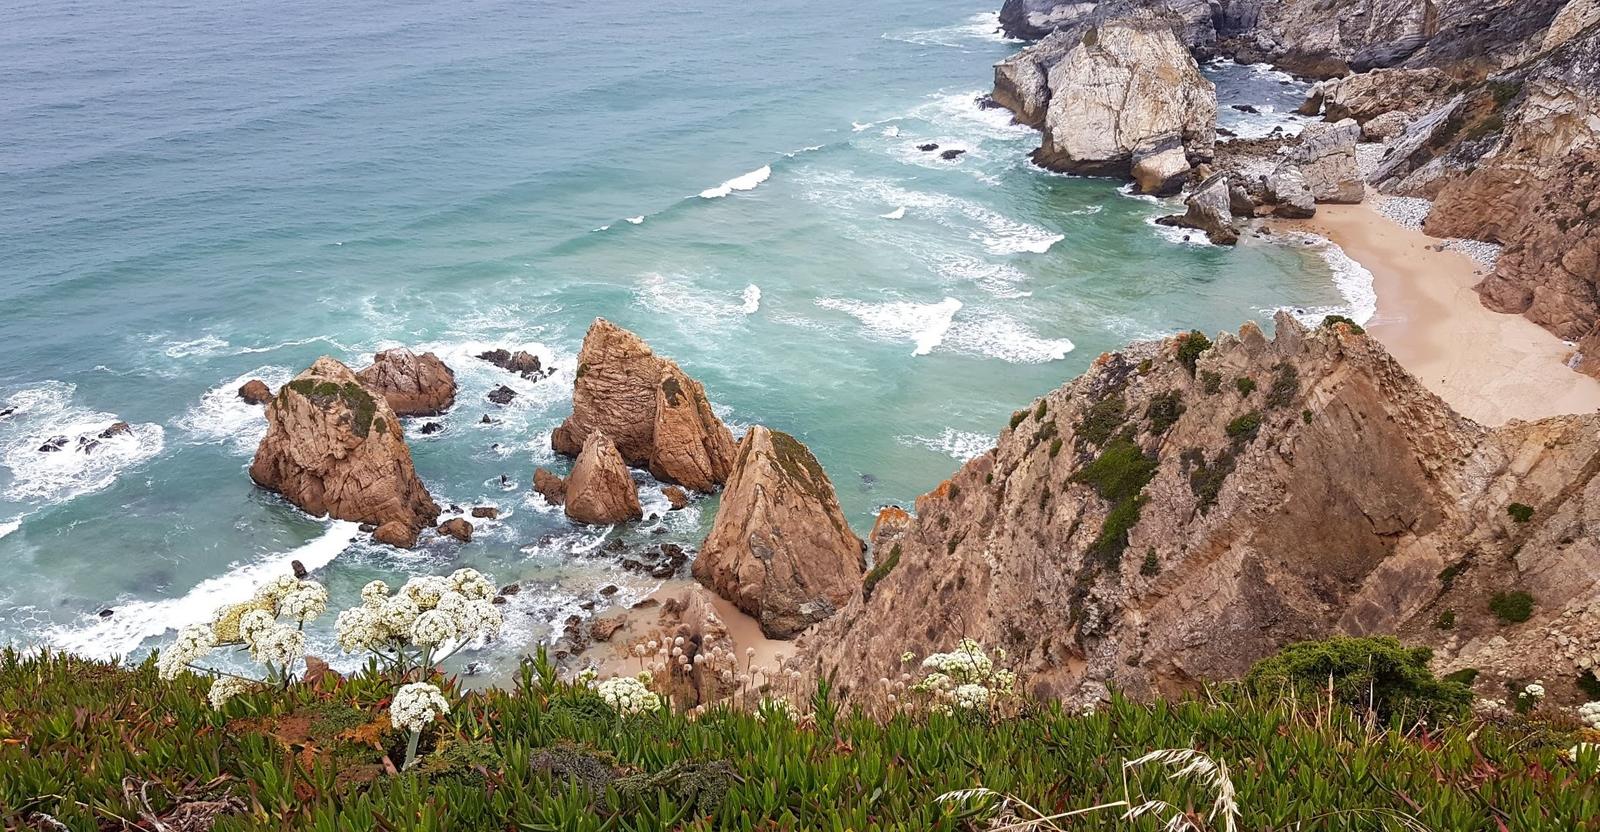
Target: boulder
<point>1287,189</point>
<point>657,416</point>
<point>485,512</point>
<point>501,395</point>
<point>692,616</point>
<point>950,154</point>
<point>255,391</point>
<point>1326,157</point>
<point>1240,203</point>
<point>890,526</point>
<point>676,497</point>
<point>600,491</point>
<point>1387,126</point>
<point>335,448</point>
<point>413,385</point>
<point>1368,95</point>
<point>553,487</point>
<point>521,362</point>
<point>1160,168</point>
<point>1209,209</point>
<point>780,548</point>
<point>457,528</point>
<point>116,429</point>
<point>395,533</point>
<point>1126,85</point>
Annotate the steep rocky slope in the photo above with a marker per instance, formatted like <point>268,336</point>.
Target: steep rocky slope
<point>1183,509</point>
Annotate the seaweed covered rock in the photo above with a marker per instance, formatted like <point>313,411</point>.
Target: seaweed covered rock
<point>658,417</point>
<point>1185,508</point>
<point>335,448</point>
<point>780,548</point>
<point>413,385</point>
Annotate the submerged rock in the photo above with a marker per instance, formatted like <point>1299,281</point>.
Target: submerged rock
<point>413,385</point>
<point>780,548</point>
<point>335,448</point>
<point>521,362</point>
<point>501,395</point>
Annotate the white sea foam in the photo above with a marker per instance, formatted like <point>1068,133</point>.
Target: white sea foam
<point>960,445</point>
<point>981,27</point>
<point>891,131</point>
<point>997,233</point>
<point>896,214</point>
<point>1352,280</point>
<point>635,220</point>
<point>996,335</point>
<point>924,324</point>
<point>221,416</point>
<point>132,622</point>
<point>810,148</point>
<point>10,526</point>
<point>959,112</point>
<point>857,126</point>
<point>44,412</point>
<point>207,345</point>
<point>746,182</point>
<point>1180,236</point>
<point>678,296</point>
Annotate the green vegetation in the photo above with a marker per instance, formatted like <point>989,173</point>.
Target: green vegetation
<point>354,397</point>
<point>880,570</point>
<point>1206,479</point>
<point>1378,674</point>
<point>1164,411</point>
<point>1017,417</point>
<point>1340,319</point>
<point>1211,382</point>
<point>1190,347</point>
<point>1465,676</point>
<point>1520,512</point>
<point>1041,410</point>
<point>1448,575</point>
<point>1244,428</point>
<point>1285,386</point>
<point>1145,366</point>
<point>1055,447</point>
<point>1504,91</point>
<point>90,746</point>
<point>1102,420</point>
<point>1305,416</point>
<point>1118,475</point>
<point>1151,565</point>
<point>1446,620</point>
<point>1245,385</point>
<point>1512,607</point>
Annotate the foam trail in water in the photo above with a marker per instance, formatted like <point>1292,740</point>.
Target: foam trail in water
<point>1352,279</point>
<point>44,413</point>
<point>132,622</point>
<point>677,295</point>
<point>10,526</point>
<point>983,26</point>
<point>752,300</point>
<point>746,182</point>
<point>960,445</point>
<point>996,335</point>
<point>636,220</point>
<point>924,324</point>
<point>896,214</point>
<point>221,416</point>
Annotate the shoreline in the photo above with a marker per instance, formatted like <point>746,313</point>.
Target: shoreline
<point>1491,367</point>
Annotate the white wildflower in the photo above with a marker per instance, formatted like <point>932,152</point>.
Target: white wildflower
<point>274,590</point>
<point>305,602</point>
<point>374,594</point>
<point>397,614</point>
<point>224,688</point>
<point>972,697</point>
<point>1534,690</point>
<point>472,584</point>
<point>1589,714</point>
<point>426,591</point>
<point>433,628</point>
<point>358,629</point>
<point>192,642</point>
<point>416,706</point>
<point>278,644</point>
<point>252,622</point>
<point>627,695</point>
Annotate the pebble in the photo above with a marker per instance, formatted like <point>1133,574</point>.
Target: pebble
<point>1410,211</point>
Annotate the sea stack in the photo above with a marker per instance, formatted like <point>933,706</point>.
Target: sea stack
<point>780,548</point>
<point>657,416</point>
<point>413,385</point>
<point>335,448</point>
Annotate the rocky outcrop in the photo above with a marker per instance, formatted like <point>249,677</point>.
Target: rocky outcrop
<point>1146,528</point>
<point>1209,209</point>
<point>780,548</point>
<point>1326,158</point>
<point>1291,197</point>
<point>521,362</point>
<point>335,448</point>
<point>255,391</point>
<point>658,416</point>
<point>600,490</point>
<point>551,486</point>
<point>891,525</point>
<point>413,385</point>
<point>458,528</point>
<point>1368,95</point>
<point>1124,95</point>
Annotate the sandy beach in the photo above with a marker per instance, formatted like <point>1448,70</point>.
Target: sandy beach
<point>1491,367</point>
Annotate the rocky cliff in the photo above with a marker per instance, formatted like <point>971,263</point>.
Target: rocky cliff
<point>334,447</point>
<point>413,385</point>
<point>658,417</point>
<point>1183,509</point>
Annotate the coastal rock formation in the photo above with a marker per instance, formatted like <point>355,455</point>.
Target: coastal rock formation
<point>891,525</point>
<point>657,415</point>
<point>521,362</point>
<point>780,548</point>
<point>553,487</point>
<point>1326,158</point>
<point>413,385</point>
<point>1368,95</point>
<point>1193,21</point>
<point>1209,209</point>
<point>458,528</point>
<point>600,491</point>
<point>335,448</point>
<point>1158,522</point>
<point>1122,98</point>
<point>255,391</point>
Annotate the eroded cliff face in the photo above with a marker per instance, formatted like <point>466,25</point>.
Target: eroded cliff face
<point>1168,518</point>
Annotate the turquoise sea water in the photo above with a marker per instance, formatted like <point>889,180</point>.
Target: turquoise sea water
<point>192,195</point>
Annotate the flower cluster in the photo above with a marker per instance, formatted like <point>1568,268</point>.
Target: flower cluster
<point>628,695</point>
<point>966,678</point>
<point>427,612</point>
<point>193,643</point>
<point>416,706</point>
<point>224,688</point>
<point>1534,690</point>
<point>1589,714</point>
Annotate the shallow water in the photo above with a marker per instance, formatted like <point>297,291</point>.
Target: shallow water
<point>192,195</point>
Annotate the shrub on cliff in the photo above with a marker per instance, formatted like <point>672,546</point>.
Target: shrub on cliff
<point>1512,607</point>
<point>1376,674</point>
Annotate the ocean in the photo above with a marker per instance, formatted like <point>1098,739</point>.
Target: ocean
<point>193,195</point>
